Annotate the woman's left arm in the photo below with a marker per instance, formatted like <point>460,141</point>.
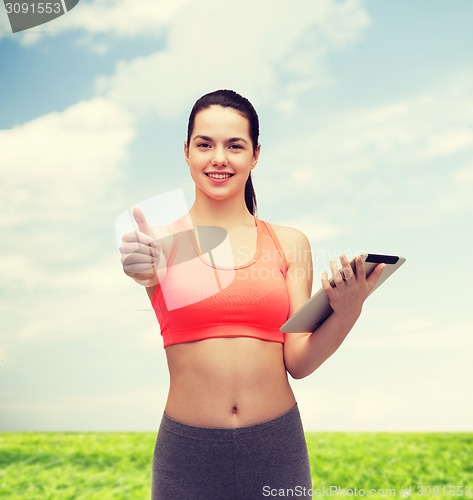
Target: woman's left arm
<point>305,352</point>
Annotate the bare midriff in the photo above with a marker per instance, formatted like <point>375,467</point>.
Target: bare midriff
<point>227,382</point>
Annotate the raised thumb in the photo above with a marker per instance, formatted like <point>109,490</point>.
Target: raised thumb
<point>140,219</point>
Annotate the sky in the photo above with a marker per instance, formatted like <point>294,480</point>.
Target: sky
<point>366,113</point>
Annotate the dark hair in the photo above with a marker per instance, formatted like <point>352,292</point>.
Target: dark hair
<point>230,99</point>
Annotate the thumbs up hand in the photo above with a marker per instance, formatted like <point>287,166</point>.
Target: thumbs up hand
<point>142,256</point>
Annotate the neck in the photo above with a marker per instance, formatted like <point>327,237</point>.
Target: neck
<point>223,213</point>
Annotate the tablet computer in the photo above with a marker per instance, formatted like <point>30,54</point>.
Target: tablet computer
<point>317,309</point>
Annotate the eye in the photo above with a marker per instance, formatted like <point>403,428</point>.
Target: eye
<point>203,145</point>
<point>236,146</point>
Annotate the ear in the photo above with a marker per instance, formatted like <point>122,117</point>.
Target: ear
<point>186,152</point>
<point>255,156</point>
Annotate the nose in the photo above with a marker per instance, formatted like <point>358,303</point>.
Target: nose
<point>219,158</point>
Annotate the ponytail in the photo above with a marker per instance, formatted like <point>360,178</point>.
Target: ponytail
<point>250,196</point>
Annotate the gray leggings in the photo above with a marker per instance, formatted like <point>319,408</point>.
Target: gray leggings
<point>266,460</point>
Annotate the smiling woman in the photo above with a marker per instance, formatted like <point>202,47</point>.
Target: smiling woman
<point>231,425</point>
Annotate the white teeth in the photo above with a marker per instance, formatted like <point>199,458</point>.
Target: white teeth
<point>219,176</point>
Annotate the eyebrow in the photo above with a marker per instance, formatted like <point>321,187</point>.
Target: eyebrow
<point>207,138</point>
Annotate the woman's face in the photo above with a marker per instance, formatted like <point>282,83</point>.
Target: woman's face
<point>220,153</point>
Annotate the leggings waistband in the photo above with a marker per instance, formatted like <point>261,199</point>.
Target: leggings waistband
<point>224,433</point>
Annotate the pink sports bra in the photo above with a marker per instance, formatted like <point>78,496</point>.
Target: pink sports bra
<point>197,300</point>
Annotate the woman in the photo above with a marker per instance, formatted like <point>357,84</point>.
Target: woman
<point>231,427</point>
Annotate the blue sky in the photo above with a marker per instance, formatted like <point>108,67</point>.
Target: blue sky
<point>366,111</point>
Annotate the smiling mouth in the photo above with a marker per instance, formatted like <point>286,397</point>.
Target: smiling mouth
<point>219,176</point>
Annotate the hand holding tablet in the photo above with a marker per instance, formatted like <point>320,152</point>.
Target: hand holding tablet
<point>318,308</point>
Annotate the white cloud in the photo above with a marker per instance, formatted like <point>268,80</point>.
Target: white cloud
<point>52,166</point>
<point>338,24</point>
<point>386,366</point>
<point>374,407</point>
<point>74,303</point>
<point>402,137</point>
<point>448,142</point>
<point>414,332</point>
<point>4,23</point>
<point>124,18</point>
<point>456,196</point>
<point>312,226</point>
<point>118,18</point>
<point>210,46</point>
<point>463,175</point>
<point>124,410</point>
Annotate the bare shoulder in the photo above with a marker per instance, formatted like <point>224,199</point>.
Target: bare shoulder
<point>292,241</point>
<point>299,276</point>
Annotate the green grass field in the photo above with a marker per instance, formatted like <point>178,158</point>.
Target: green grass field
<point>102,466</point>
